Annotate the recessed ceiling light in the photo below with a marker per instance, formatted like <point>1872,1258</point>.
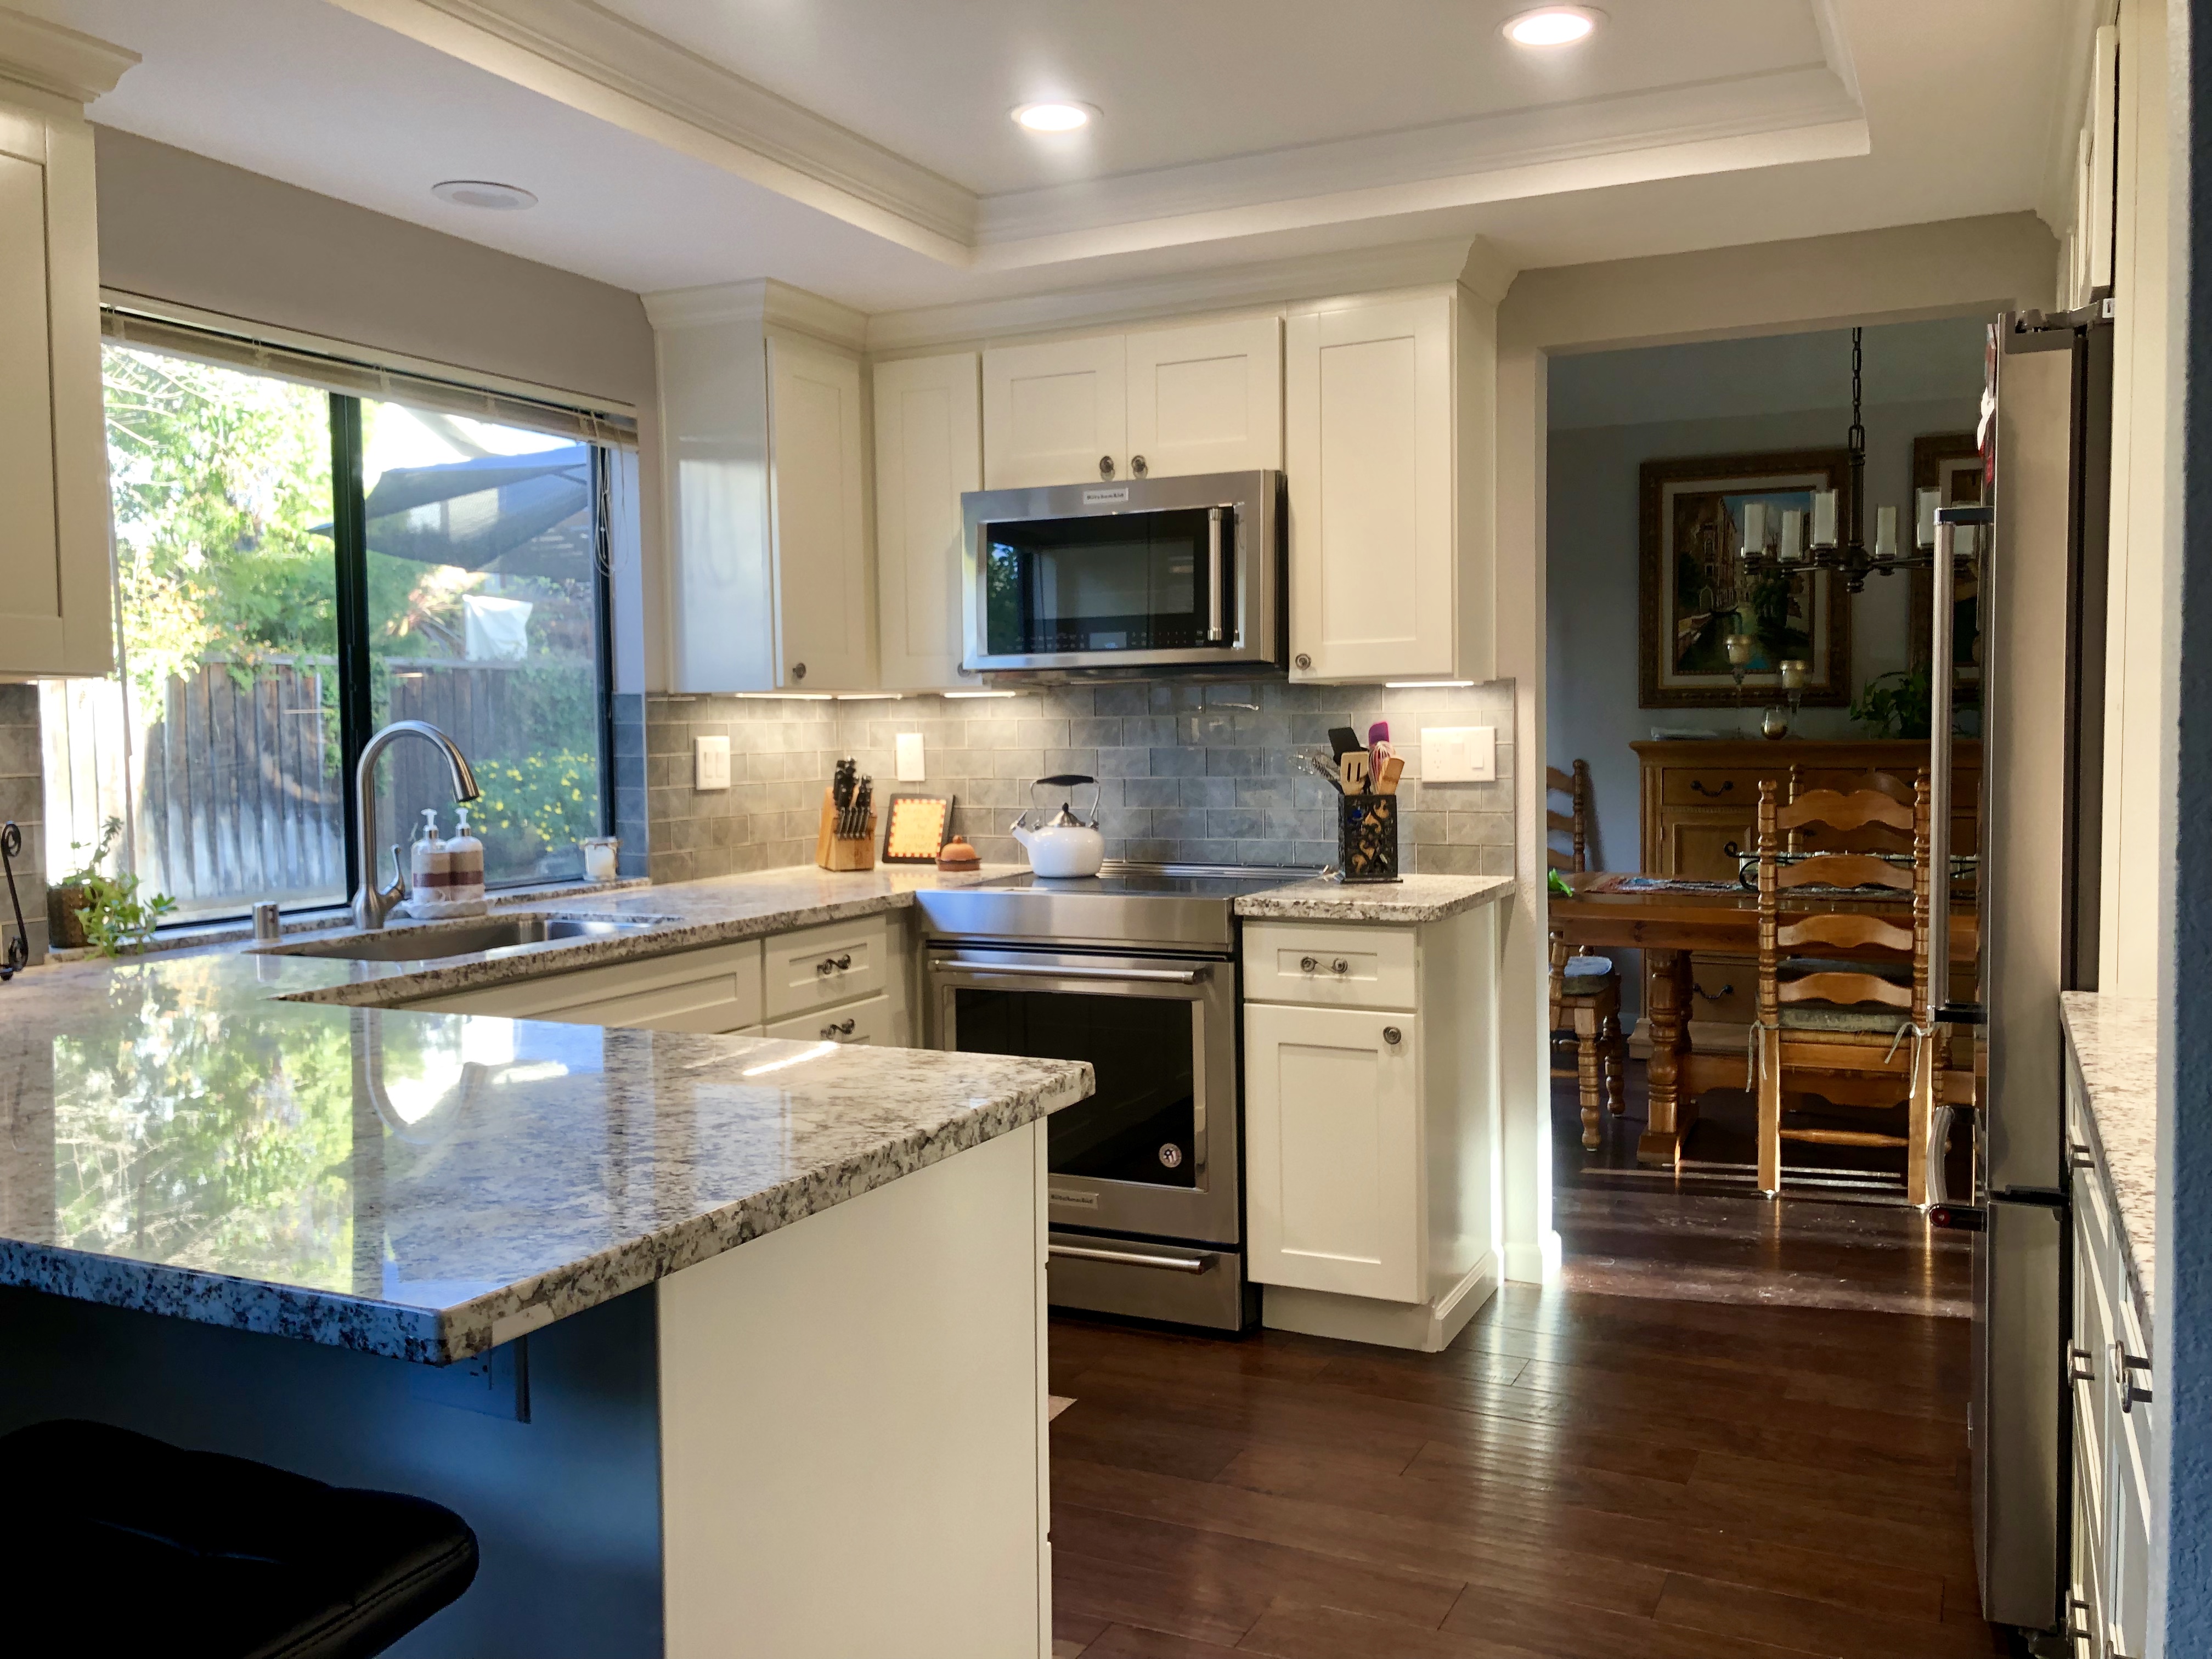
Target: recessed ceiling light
<point>1552,26</point>
<point>483,193</point>
<point>1054,116</point>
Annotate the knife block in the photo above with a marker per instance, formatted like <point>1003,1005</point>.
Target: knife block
<point>834,852</point>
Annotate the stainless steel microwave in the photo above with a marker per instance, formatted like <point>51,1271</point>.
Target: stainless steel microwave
<point>1142,573</point>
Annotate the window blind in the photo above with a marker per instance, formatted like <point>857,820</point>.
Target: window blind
<point>330,372</point>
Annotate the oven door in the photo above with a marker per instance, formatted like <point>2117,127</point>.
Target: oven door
<point>1154,1151</point>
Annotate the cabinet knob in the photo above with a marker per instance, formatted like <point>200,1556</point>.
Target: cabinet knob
<point>1105,466</point>
<point>1393,1035</point>
<point>1307,964</point>
<point>799,671</point>
<point>1137,467</point>
<point>1303,660</point>
<point>1340,968</point>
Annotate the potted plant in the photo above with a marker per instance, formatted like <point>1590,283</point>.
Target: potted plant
<point>85,907</point>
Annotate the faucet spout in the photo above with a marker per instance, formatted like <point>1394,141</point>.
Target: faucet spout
<point>371,904</point>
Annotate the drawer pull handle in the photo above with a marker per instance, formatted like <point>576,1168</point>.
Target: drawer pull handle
<point>1393,1035</point>
<point>2081,1364</point>
<point>837,1028</point>
<point>1307,964</point>
<point>2124,1366</point>
<point>2082,1157</point>
<point>1728,990</point>
<point>829,965</point>
<point>1340,967</point>
<point>1697,787</point>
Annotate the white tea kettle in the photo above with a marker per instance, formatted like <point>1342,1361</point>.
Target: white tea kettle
<point>1063,844</point>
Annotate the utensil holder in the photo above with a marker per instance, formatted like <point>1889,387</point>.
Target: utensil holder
<point>1367,838</point>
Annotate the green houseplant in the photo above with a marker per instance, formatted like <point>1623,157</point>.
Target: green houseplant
<point>106,912</point>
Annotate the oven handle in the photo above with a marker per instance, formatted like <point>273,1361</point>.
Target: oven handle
<point>1036,970</point>
<point>1213,575</point>
<point>1177,1264</point>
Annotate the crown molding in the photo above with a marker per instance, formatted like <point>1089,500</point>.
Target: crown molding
<point>761,302</point>
<point>49,58</point>
<point>581,55</point>
<point>1262,282</point>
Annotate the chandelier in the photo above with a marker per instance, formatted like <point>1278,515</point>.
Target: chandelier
<point>1786,543</point>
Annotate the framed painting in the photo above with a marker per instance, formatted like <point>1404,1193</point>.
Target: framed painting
<point>1694,593</point>
<point>1949,462</point>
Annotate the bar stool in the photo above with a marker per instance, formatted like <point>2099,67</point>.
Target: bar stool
<point>118,1544</point>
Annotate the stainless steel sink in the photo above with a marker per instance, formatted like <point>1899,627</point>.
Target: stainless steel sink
<point>428,942</point>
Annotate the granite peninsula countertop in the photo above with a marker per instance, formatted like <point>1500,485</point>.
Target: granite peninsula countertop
<point>2116,1041</point>
<point>184,1135</point>
<point>1412,899</point>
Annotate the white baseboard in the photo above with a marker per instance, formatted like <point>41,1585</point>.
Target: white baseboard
<point>1425,1327</point>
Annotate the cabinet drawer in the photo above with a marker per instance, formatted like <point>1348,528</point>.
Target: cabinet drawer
<point>870,1021</point>
<point>1703,786</point>
<point>1332,966</point>
<point>819,967</point>
<point>716,989</point>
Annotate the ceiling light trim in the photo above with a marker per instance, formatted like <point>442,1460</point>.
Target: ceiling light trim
<point>1588,17</point>
<point>579,55</point>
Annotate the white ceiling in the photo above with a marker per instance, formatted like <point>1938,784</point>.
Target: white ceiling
<point>861,149</point>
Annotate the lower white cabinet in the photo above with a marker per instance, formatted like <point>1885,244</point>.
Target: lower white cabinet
<point>1370,1121</point>
<point>2116,1427</point>
<point>1332,1149</point>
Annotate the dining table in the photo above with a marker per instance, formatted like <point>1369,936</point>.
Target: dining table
<point>1666,918</point>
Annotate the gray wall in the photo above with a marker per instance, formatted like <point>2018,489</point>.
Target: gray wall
<point>1189,773</point>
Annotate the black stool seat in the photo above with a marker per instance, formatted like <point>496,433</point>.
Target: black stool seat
<point>131,1546</point>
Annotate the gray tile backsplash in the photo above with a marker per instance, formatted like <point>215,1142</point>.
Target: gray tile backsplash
<point>1189,772</point>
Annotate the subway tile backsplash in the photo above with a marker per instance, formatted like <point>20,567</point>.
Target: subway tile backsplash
<point>1189,772</point>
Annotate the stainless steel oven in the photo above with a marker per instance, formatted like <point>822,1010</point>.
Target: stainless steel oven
<point>1134,971</point>
<point>1142,573</point>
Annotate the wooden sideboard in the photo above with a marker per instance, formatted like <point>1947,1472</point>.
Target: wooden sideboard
<point>1699,796</point>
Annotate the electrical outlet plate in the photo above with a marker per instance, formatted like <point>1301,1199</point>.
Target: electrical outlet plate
<point>1459,754</point>
<point>710,763</point>
<point>910,766</point>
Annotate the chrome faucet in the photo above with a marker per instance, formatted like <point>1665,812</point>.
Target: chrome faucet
<point>371,904</point>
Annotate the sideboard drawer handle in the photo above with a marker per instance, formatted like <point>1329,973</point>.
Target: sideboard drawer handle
<point>1697,787</point>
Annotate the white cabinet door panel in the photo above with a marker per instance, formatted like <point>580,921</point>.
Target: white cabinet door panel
<point>1206,398</point>
<point>824,586</point>
<point>929,449</point>
<point>1369,418</point>
<point>1051,412</point>
<point>1332,1151</point>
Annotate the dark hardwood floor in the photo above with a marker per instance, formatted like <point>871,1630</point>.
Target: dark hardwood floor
<point>1736,1430</point>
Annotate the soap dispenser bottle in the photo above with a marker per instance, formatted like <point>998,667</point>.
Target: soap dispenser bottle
<point>430,870</point>
<point>466,892</point>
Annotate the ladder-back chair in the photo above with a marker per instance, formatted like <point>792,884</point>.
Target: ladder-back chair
<point>1858,1030</point>
<point>1585,986</point>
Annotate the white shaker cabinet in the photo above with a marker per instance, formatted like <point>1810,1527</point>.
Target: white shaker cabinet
<point>1054,413</point>
<point>768,498</point>
<point>929,451</point>
<point>56,606</point>
<point>1371,1122</point>
<point>1206,398</point>
<point>1388,421</point>
<point>1166,401</point>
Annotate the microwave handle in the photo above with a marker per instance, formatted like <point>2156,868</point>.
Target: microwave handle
<point>1214,575</point>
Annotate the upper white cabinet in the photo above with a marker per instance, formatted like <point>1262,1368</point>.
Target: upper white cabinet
<point>56,603</point>
<point>929,450</point>
<point>767,497</point>
<point>1387,409</point>
<point>1204,398</point>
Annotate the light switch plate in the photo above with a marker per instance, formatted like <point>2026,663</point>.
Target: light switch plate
<point>1459,754</point>
<point>710,763</point>
<point>910,766</point>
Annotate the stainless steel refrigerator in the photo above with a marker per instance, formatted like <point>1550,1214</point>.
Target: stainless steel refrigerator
<point>2032,580</point>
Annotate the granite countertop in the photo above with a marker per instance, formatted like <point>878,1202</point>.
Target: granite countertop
<point>1413,899</point>
<point>2116,1040</point>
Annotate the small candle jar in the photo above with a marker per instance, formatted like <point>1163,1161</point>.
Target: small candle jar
<point>1793,674</point>
<point>599,856</point>
<point>1739,647</point>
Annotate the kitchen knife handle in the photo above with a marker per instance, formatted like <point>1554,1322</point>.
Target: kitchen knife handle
<point>1212,575</point>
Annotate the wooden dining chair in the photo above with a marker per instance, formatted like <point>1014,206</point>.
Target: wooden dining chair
<point>1859,1030</point>
<point>1585,986</point>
